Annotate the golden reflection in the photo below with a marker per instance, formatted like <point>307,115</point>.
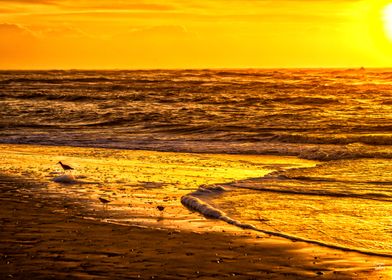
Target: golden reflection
<point>136,181</point>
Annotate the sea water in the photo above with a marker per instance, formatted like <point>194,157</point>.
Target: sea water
<point>341,118</point>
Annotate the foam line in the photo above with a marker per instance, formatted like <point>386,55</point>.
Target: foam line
<point>196,204</point>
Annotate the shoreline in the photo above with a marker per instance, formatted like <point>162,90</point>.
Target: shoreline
<point>136,181</point>
<point>40,242</point>
<point>49,233</point>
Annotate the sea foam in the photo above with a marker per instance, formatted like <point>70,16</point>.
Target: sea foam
<point>193,201</point>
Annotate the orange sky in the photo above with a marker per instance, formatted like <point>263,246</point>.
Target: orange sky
<point>41,34</point>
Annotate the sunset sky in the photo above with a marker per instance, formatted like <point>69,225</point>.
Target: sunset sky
<point>91,34</point>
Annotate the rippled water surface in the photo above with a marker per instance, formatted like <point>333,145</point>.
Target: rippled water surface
<point>347,203</point>
<point>233,111</point>
<point>340,117</point>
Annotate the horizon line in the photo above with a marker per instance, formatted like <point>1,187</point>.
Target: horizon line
<point>198,68</point>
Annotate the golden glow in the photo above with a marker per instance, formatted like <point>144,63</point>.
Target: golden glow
<point>193,34</point>
<point>138,178</point>
<point>388,20</point>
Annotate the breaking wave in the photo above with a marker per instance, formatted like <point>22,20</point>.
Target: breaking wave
<point>314,114</point>
<point>195,202</point>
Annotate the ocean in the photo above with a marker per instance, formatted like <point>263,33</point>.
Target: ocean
<point>339,118</point>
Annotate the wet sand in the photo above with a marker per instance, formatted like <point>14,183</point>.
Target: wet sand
<point>136,182</point>
<point>45,237</point>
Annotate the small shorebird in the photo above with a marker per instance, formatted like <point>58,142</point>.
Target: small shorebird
<point>65,167</point>
<point>160,208</point>
<point>104,201</point>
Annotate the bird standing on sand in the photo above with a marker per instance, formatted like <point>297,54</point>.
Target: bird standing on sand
<point>65,167</point>
<point>160,208</point>
<point>104,201</point>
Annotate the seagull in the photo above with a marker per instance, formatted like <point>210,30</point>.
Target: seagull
<point>65,167</point>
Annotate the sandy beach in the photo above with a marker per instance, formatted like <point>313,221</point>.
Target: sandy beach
<point>168,139</point>
<point>58,231</point>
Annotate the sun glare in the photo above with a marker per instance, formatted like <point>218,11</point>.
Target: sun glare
<point>388,20</point>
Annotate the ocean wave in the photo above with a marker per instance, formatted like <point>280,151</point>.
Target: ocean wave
<point>195,202</point>
<point>129,120</point>
<point>28,125</point>
<point>343,152</point>
<point>74,97</point>
<point>317,192</point>
<point>154,136</point>
<point>244,73</point>
<point>53,96</point>
<point>340,139</point>
<point>309,101</point>
<point>54,80</point>
<point>307,113</point>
